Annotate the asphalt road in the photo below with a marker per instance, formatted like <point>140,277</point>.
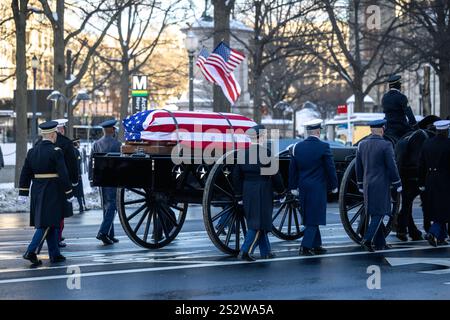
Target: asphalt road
<point>192,268</point>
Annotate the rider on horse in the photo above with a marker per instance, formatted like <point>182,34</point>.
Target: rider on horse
<point>398,114</point>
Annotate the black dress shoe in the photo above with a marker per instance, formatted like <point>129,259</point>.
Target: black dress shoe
<point>416,235</point>
<point>432,240</point>
<point>104,238</point>
<point>32,257</point>
<point>366,245</point>
<point>62,244</point>
<point>271,255</point>
<point>247,257</point>
<point>58,258</point>
<point>442,243</point>
<point>402,236</point>
<point>305,252</point>
<point>319,250</point>
<point>115,240</point>
<point>385,247</point>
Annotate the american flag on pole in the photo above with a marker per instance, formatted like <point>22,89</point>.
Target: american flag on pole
<point>218,68</point>
<point>196,129</point>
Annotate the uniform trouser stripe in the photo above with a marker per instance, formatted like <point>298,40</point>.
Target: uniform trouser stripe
<point>255,241</point>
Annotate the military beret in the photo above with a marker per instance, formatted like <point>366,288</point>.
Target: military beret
<point>442,124</point>
<point>108,123</point>
<point>394,78</point>
<point>48,127</point>
<point>313,124</point>
<point>377,123</point>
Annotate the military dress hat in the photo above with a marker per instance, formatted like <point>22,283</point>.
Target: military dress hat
<point>313,124</point>
<point>442,124</point>
<point>394,78</point>
<point>255,131</point>
<point>75,140</point>
<point>48,127</point>
<point>61,122</point>
<point>377,123</point>
<point>108,123</point>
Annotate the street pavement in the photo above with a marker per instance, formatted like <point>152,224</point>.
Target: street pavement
<point>192,268</point>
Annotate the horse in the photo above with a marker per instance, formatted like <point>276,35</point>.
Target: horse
<point>407,151</point>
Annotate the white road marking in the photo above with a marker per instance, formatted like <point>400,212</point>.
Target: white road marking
<point>433,261</point>
<point>203,265</point>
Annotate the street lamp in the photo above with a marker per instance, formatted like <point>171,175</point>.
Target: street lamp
<point>191,44</point>
<point>34,66</point>
<point>81,95</point>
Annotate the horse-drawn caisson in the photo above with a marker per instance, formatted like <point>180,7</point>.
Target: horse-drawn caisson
<point>158,181</point>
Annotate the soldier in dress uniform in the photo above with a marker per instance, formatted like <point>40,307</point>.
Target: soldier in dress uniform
<point>434,177</point>
<point>398,114</point>
<point>66,145</point>
<point>78,190</point>
<point>51,192</point>
<point>311,175</point>
<point>257,190</point>
<point>108,143</point>
<point>376,172</point>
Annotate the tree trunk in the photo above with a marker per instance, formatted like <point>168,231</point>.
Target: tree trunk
<point>257,96</point>
<point>444,88</point>
<point>359,94</point>
<point>426,96</point>
<point>69,91</point>
<point>124,92</point>
<point>221,33</point>
<point>20,15</point>
<point>59,74</point>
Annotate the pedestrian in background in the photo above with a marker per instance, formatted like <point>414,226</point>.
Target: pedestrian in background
<point>434,177</point>
<point>312,175</point>
<point>257,191</point>
<point>108,143</point>
<point>66,145</point>
<point>51,191</point>
<point>78,190</point>
<point>376,172</point>
<point>2,161</point>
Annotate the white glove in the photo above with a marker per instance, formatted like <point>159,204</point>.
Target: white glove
<point>335,190</point>
<point>422,189</point>
<point>72,200</point>
<point>22,199</point>
<point>361,190</point>
<point>399,189</point>
<point>295,192</point>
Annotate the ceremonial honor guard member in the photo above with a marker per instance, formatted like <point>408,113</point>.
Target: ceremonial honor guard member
<point>78,190</point>
<point>376,172</point>
<point>257,194</point>
<point>108,143</point>
<point>68,149</point>
<point>51,191</point>
<point>398,114</point>
<point>434,177</point>
<point>311,175</point>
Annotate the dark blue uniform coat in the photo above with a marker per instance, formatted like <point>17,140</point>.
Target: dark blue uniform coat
<point>376,172</point>
<point>398,114</point>
<point>257,190</point>
<point>48,195</point>
<point>70,158</point>
<point>312,172</point>
<point>434,174</point>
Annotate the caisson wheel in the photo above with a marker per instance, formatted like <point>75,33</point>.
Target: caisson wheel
<point>150,219</point>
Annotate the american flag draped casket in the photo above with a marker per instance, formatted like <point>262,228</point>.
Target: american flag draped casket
<point>197,129</point>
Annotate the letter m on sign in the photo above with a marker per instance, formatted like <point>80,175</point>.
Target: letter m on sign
<point>139,82</point>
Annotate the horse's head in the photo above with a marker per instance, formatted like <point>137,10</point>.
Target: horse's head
<point>428,121</point>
